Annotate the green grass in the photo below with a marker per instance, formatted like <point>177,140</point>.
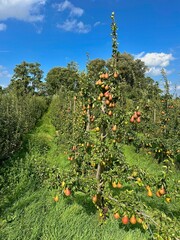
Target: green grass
<point>44,140</point>
<point>27,208</point>
<point>141,159</point>
<point>148,164</point>
<point>36,216</point>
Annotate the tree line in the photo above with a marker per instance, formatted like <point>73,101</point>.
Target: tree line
<point>27,96</point>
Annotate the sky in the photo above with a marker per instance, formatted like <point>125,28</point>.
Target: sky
<point>56,32</point>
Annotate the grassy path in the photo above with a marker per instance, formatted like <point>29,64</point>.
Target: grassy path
<point>27,209</point>
<point>43,139</point>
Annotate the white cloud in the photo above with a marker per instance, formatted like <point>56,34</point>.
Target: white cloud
<point>71,24</point>
<point>156,71</point>
<point>173,87</point>
<point>3,27</point>
<point>155,62</point>
<point>3,86</point>
<point>74,26</point>
<point>157,59</point>
<point>138,55</point>
<point>26,10</point>
<point>4,72</point>
<point>97,23</point>
<point>67,5</point>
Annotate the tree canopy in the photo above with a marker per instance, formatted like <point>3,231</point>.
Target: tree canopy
<point>62,77</point>
<point>27,78</point>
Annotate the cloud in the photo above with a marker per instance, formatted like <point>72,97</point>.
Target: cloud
<point>173,87</point>
<point>3,27</point>
<point>139,55</point>
<point>3,86</point>
<point>4,72</point>
<point>74,26</point>
<point>156,71</point>
<point>67,5</point>
<point>71,24</point>
<point>156,61</point>
<point>97,23</point>
<point>26,10</point>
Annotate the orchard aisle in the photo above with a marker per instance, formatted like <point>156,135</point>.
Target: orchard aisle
<point>44,139</point>
<point>28,210</point>
<point>29,185</point>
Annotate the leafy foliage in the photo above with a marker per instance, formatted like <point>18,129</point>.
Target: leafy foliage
<point>99,168</point>
<point>96,114</point>
<point>62,78</point>
<point>18,116</point>
<point>27,78</point>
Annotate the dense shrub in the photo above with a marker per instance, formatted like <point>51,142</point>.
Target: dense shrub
<point>65,116</point>
<point>18,116</point>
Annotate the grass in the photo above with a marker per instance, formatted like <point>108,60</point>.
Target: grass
<point>149,164</point>
<point>35,216</point>
<point>141,159</point>
<point>27,209</point>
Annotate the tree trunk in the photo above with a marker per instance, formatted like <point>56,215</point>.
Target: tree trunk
<point>154,115</point>
<point>100,167</point>
<point>88,120</point>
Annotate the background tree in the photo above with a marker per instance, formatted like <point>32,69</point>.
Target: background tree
<point>129,70</point>
<point>1,90</point>
<point>134,85</point>
<point>63,77</point>
<point>27,78</point>
<point>94,67</point>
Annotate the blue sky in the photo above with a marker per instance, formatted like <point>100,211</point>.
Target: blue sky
<point>55,32</point>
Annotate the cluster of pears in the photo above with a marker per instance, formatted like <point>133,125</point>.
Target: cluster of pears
<point>160,192</point>
<point>136,117</point>
<point>125,219</point>
<point>105,93</point>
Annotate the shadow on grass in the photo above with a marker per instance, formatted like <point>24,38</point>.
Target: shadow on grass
<point>162,206</point>
<point>88,206</point>
<point>86,203</point>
